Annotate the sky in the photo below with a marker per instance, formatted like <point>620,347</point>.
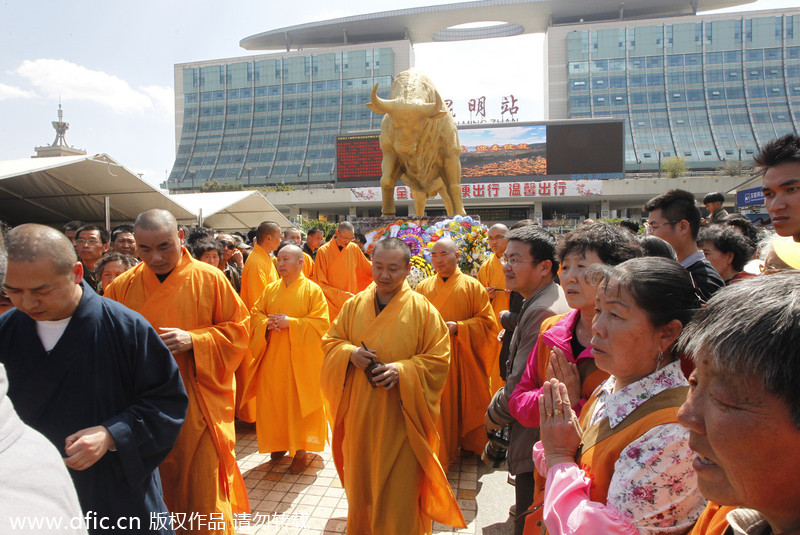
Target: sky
<point>112,65</point>
<point>502,136</point>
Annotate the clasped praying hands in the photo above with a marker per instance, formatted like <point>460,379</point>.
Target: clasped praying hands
<point>277,322</point>
<point>559,430</point>
<point>565,372</point>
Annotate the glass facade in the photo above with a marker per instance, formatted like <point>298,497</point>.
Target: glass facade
<point>705,89</point>
<point>274,119</point>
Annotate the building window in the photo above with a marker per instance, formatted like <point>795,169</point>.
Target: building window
<point>693,59</point>
<point>755,55</point>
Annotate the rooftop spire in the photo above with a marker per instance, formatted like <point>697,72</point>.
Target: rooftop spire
<point>60,147</point>
<point>61,128</point>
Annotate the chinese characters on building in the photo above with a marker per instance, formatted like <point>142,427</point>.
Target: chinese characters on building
<point>478,107</point>
<point>500,190</point>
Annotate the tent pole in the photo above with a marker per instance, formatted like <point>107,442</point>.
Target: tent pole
<point>200,218</point>
<point>107,203</point>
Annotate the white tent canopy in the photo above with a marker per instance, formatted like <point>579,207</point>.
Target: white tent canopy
<point>52,191</point>
<point>231,210</point>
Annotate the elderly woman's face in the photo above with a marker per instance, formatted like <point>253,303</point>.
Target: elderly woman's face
<point>111,271</point>
<point>745,442</point>
<point>624,341</point>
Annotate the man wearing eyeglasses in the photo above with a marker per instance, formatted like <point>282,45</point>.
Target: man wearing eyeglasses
<point>91,243</point>
<point>530,267</point>
<point>675,218</point>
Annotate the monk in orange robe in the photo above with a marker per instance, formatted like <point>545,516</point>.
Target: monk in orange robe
<point>491,272</point>
<point>294,235</point>
<point>258,272</point>
<point>464,305</point>
<point>491,276</point>
<point>308,263</point>
<point>341,269</point>
<point>204,324</point>
<point>384,434</point>
<point>286,325</point>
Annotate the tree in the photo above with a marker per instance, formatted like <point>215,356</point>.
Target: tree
<point>732,168</point>
<point>327,228</point>
<point>213,185</point>
<point>674,167</point>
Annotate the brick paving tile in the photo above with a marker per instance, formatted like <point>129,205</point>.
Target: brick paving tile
<point>312,501</point>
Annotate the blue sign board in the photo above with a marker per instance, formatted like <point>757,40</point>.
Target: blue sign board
<point>749,197</point>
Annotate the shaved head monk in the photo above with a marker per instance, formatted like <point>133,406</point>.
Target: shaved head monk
<point>287,324</point>
<point>341,269</point>
<point>205,326</point>
<point>464,305</point>
<point>386,360</point>
<point>308,263</point>
<point>293,235</point>
<point>258,272</point>
<point>491,276</point>
<point>93,377</point>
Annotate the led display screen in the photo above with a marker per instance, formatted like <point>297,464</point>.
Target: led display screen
<point>577,150</point>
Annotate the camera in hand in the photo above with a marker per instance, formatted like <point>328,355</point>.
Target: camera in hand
<point>369,369</point>
<point>494,454</point>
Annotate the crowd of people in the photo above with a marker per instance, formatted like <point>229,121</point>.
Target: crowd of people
<point>634,382</point>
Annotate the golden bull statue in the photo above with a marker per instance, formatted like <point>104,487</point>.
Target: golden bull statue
<point>419,142</point>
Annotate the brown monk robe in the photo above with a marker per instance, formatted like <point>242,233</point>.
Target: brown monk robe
<point>258,272</point>
<point>494,280</point>
<point>287,325</point>
<point>205,325</point>
<point>341,269</point>
<point>384,436</point>
<point>464,305</point>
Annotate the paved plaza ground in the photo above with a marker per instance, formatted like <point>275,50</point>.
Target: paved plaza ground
<point>313,502</point>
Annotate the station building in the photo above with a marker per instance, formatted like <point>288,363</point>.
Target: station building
<point>708,88</point>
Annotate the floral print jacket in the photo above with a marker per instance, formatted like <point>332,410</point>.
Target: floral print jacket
<point>654,488</point>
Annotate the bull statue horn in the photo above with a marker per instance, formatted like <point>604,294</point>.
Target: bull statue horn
<point>431,109</point>
<point>379,105</point>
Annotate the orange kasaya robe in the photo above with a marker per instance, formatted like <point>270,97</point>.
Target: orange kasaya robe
<point>287,367</point>
<point>713,521</point>
<point>491,274</point>
<point>341,273</point>
<point>258,272</point>
<point>200,475</point>
<point>473,349</point>
<point>308,265</point>
<point>385,441</point>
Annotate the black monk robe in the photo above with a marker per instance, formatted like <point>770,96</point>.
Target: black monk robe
<point>108,368</point>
